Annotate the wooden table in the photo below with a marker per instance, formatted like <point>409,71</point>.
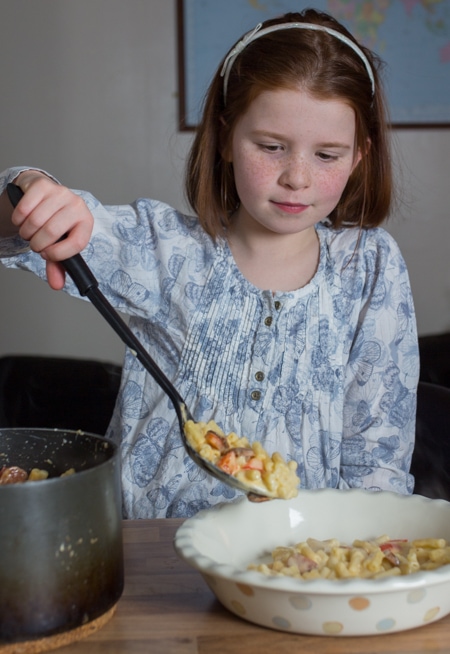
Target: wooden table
<point>166,608</point>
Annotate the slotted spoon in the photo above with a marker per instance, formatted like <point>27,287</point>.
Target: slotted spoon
<point>87,286</point>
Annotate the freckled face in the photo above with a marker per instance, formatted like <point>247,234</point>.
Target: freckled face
<point>292,155</point>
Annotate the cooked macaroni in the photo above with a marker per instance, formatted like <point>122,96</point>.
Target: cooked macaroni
<point>16,475</point>
<point>367,559</point>
<point>249,463</point>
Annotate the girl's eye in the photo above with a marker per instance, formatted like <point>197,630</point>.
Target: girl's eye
<point>271,147</point>
<point>324,156</point>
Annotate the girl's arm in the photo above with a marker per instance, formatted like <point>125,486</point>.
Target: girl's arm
<point>55,221</point>
<point>381,382</point>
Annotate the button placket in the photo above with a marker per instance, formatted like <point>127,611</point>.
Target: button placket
<point>256,394</point>
<point>260,375</point>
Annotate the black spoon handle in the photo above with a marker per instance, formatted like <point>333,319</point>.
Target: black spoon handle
<point>87,285</point>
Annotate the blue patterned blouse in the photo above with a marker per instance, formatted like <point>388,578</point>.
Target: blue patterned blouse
<point>326,375</point>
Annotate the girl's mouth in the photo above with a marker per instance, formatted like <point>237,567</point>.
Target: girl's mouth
<point>289,207</point>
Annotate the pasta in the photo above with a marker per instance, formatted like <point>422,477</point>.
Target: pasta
<point>249,463</point>
<point>367,559</point>
<point>16,475</point>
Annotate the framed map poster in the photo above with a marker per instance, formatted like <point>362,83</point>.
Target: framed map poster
<point>411,36</point>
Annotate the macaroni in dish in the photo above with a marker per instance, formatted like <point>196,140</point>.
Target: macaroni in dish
<point>367,559</point>
<point>249,463</point>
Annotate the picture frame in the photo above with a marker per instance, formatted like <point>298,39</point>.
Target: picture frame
<point>417,77</point>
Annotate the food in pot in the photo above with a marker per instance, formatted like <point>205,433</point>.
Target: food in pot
<point>16,475</point>
<point>367,559</point>
<point>249,463</point>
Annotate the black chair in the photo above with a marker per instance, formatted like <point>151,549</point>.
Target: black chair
<point>431,457</point>
<point>435,358</point>
<point>57,392</point>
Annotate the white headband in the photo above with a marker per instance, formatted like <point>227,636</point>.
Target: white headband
<point>257,32</point>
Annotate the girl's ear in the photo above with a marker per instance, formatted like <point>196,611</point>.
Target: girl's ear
<point>357,159</point>
<point>225,141</point>
<point>361,153</point>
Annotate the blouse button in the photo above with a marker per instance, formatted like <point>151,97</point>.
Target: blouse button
<point>259,376</point>
<point>277,305</point>
<point>256,395</point>
<point>268,321</point>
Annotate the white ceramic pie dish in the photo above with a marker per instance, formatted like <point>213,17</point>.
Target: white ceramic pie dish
<point>221,542</point>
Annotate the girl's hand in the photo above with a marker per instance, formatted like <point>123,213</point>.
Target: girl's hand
<point>46,213</point>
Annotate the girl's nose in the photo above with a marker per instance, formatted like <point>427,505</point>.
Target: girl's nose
<point>295,174</point>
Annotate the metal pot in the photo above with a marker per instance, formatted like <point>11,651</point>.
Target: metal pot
<point>61,557</point>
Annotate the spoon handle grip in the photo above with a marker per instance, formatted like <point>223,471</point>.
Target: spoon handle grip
<point>15,193</point>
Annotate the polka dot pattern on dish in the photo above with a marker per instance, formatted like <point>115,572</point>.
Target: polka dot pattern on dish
<point>359,603</point>
<point>332,628</point>
<point>238,608</point>
<point>281,623</point>
<point>416,596</point>
<point>300,602</point>
<point>245,589</point>
<point>305,603</point>
<point>431,614</point>
<point>386,624</point>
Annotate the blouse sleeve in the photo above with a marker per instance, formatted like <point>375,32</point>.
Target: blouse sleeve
<point>382,375</point>
<point>135,251</point>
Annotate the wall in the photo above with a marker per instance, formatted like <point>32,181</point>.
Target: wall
<point>89,92</point>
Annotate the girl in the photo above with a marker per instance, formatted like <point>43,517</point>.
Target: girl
<point>281,310</point>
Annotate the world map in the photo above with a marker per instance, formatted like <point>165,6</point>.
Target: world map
<point>412,37</point>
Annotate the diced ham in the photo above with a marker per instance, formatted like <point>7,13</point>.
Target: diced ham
<point>215,440</point>
<point>12,475</point>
